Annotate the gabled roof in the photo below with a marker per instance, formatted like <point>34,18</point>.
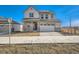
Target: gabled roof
<point>14,22</point>
<point>45,11</point>
<point>5,20</point>
<point>30,7</point>
<point>40,11</point>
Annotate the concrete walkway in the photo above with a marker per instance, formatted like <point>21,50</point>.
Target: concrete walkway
<point>50,34</point>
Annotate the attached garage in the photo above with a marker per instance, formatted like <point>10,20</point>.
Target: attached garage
<point>47,28</point>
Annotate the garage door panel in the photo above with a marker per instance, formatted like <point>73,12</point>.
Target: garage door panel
<point>47,28</point>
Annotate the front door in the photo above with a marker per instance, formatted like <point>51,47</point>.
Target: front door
<point>35,26</point>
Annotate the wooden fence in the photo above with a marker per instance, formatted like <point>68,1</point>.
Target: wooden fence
<point>72,31</point>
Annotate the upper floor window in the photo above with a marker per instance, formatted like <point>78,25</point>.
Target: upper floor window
<point>46,16</point>
<point>42,16</point>
<point>52,16</point>
<point>31,14</point>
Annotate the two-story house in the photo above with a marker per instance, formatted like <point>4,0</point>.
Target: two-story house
<point>41,21</point>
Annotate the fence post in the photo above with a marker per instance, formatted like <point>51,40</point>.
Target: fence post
<point>9,21</point>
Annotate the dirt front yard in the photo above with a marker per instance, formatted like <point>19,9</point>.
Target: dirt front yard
<point>40,48</point>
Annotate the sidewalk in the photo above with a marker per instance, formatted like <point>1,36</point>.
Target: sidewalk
<point>35,34</point>
<point>39,39</point>
<point>50,34</point>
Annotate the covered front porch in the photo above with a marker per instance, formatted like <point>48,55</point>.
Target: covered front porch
<point>31,26</point>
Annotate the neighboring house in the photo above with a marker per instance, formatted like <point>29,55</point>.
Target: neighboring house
<point>4,28</point>
<point>16,27</point>
<point>43,21</point>
<point>4,25</point>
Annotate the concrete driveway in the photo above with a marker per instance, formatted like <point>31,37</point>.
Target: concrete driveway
<point>50,34</point>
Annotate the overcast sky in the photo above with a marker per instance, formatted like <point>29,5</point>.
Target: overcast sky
<point>62,12</point>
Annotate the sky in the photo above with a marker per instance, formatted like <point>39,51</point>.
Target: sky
<point>62,12</point>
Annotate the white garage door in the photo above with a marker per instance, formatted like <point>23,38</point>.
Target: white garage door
<point>47,28</point>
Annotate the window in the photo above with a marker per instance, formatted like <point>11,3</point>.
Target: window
<point>52,16</point>
<point>42,17</point>
<point>44,24</point>
<point>52,24</point>
<point>31,14</point>
<point>48,24</point>
<point>41,24</point>
<point>46,16</point>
